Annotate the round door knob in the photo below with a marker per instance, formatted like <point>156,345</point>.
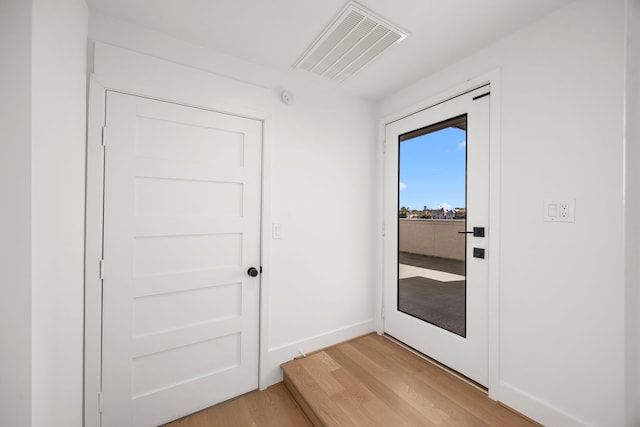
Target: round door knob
<point>253,272</point>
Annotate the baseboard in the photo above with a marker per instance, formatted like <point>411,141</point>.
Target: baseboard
<point>270,372</point>
<point>536,409</point>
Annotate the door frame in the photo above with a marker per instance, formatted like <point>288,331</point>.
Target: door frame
<point>493,236</point>
<point>172,83</point>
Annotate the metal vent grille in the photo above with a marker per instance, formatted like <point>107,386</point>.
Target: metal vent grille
<point>351,41</point>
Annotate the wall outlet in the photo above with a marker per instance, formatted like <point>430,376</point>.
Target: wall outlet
<point>559,211</point>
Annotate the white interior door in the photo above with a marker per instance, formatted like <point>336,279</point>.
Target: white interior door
<point>181,229</point>
<point>435,284</point>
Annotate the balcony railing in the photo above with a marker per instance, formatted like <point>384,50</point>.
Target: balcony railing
<point>433,237</point>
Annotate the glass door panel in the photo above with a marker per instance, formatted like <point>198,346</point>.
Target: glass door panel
<point>432,212</point>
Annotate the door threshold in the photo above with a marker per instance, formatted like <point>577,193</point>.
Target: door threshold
<point>438,364</point>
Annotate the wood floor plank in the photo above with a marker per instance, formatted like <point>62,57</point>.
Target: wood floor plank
<point>320,368</point>
<point>360,399</point>
<point>382,391</point>
<point>300,399</point>
<point>273,407</point>
<point>363,407</point>
<point>316,399</point>
<point>424,399</point>
<point>276,408</point>
<point>467,396</point>
<point>430,396</point>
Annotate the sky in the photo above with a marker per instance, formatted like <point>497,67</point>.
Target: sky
<point>432,170</point>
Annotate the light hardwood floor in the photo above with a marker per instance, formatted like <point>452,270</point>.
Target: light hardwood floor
<point>368,381</point>
<point>273,407</point>
<point>372,381</point>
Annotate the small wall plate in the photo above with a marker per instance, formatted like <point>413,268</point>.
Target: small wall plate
<point>559,210</point>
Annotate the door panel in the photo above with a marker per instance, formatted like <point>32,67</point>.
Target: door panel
<point>181,228</point>
<point>435,290</point>
<point>432,172</point>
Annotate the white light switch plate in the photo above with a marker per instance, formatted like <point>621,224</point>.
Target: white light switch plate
<point>559,210</point>
<point>276,231</point>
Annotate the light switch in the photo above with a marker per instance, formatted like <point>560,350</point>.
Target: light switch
<point>276,231</point>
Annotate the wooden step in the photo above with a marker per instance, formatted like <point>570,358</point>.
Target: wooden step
<point>372,381</point>
<point>312,383</point>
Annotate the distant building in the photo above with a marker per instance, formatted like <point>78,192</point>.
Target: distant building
<point>443,213</point>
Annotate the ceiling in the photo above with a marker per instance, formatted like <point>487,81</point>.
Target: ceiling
<point>274,33</point>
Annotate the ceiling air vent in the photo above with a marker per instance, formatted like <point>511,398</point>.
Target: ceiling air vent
<point>351,41</point>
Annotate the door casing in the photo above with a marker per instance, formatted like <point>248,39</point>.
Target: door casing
<point>493,78</point>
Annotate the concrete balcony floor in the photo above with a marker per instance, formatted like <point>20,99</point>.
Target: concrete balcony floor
<point>434,290</point>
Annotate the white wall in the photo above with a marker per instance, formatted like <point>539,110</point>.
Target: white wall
<point>58,146</point>
<point>632,199</point>
<point>43,110</point>
<point>320,165</point>
<point>561,353</point>
<point>15,213</point>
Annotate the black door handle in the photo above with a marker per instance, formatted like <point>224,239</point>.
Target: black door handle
<point>253,272</point>
<point>477,232</point>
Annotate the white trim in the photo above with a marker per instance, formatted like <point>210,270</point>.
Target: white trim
<point>378,319</point>
<point>93,253</point>
<point>275,356</point>
<point>265,255</point>
<point>133,73</point>
<point>495,209</point>
<point>543,412</point>
<point>444,96</point>
<point>493,78</point>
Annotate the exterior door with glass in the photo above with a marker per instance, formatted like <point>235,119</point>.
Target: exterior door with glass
<point>435,246</point>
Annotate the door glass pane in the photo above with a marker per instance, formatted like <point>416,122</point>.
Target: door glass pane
<point>431,218</point>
